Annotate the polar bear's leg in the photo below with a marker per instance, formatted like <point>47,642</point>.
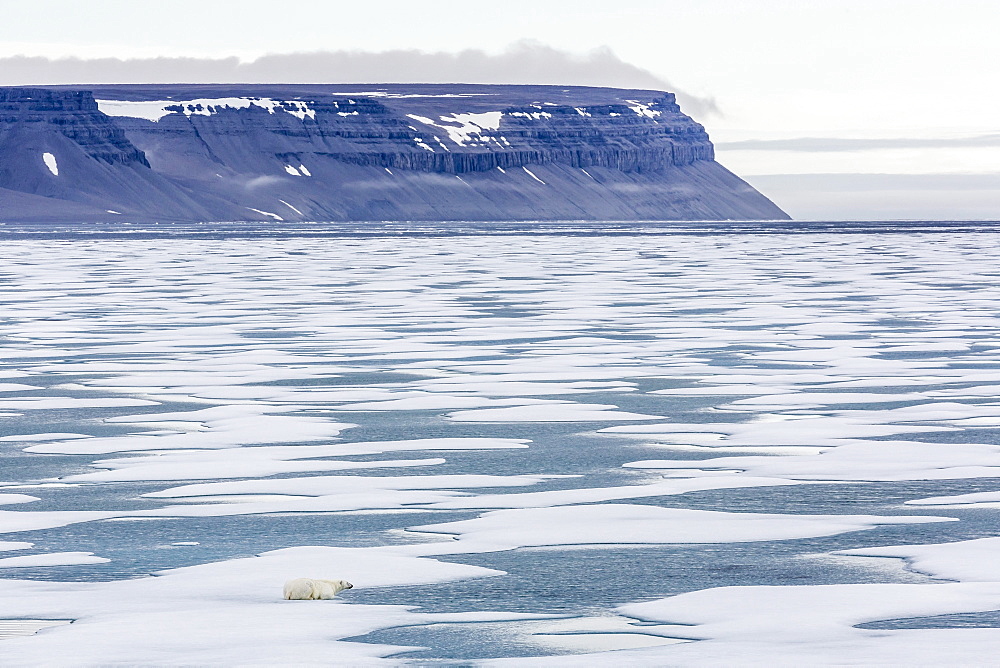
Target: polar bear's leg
<point>306,589</point>
<point>300,589</point>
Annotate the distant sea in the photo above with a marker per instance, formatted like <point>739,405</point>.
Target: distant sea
<point>223,230</point>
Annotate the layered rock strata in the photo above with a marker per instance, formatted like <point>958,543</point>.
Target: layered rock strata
<point>350,153</point>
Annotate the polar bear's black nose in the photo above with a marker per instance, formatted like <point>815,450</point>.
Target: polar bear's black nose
<point>350,586</point>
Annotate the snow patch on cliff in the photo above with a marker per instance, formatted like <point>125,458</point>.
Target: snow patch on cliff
<point>533,115</point>
<point>50,162</point>
<point>469,127</point>
<point>643,109</point>
<point>154,110</point>
<point>267,213</point>
<point>532,175</point>
<point>404,96</point>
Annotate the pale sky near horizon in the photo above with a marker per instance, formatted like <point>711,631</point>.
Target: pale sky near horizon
<point>778,69</point>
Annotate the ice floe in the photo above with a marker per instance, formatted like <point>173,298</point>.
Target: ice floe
<point>550,412</point>
<point>61,403</point>
<point>574,496</point>
<point>967,561</point>
<point>208,428</point>
<point>227,612</point>
<point>875,460</point>
<point>971,500</point>
<point>260,461</point>
<point>52,559</point>
<point>817,625</point>
<point>618,524</point>
<point>6,499</point>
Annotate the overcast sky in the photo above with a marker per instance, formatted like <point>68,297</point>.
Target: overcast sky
<point>839,77</point>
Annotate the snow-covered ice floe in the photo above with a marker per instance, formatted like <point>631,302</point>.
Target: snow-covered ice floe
<point>442,420</point>
<point>623,524</point>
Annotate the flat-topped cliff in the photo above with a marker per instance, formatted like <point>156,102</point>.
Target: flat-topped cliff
<point>349,152</point>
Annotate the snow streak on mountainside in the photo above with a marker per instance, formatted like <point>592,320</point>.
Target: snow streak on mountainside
<point>342,153</point>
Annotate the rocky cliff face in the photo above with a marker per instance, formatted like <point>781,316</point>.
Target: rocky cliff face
<point>73,114</point>
<point>371,153</point>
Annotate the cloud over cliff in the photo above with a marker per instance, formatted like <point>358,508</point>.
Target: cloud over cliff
<point>524,62</point>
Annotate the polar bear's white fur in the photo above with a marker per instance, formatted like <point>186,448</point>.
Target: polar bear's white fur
<point>312,589</point>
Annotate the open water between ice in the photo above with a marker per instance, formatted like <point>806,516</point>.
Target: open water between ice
<point>579,443</point>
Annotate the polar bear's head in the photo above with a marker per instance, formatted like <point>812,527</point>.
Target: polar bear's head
<point>339,585</point>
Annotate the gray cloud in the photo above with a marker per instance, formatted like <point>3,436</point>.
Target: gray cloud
<point>524,62</point>
<point>836,144</point>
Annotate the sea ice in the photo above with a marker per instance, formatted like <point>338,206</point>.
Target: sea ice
<point>865,460</point>
<point>618,524</point>
<point>967,561</point>
<point>747,366</point>
<point>229,612</point>
<point>215,427</point>
<point>262,461</point>
<point>563,497</point>
<point>6,499</point>
<point>551,412</point>
<point>52,559</point>
<point>972,500</point>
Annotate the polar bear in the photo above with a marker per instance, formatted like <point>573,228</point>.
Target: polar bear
<point>312,589</point>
